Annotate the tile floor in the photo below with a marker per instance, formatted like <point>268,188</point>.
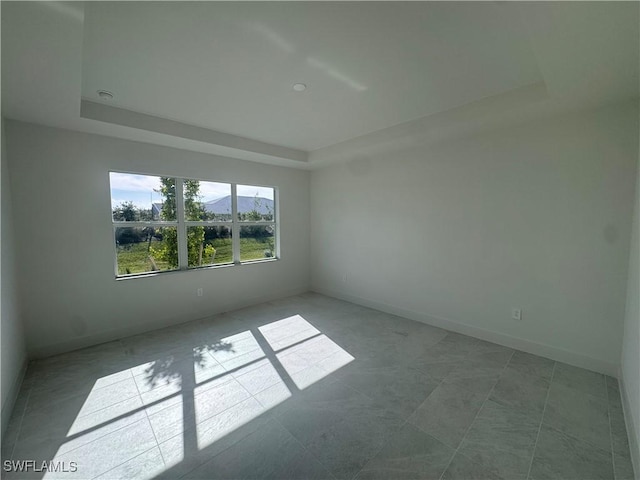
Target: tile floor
<point>315,388</point>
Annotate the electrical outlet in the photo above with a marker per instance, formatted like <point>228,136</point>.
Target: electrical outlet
<point>199,292</point>
<point>516,314</point>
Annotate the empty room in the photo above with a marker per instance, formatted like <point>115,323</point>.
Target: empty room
<point>320,240</point>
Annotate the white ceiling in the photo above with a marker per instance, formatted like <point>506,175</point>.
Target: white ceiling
<point>217,76</point>
<point>230,66</point>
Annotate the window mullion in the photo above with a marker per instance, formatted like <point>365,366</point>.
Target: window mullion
<point>183,256</point>
<point>236,226</point>
<point>197,223</point>
<point>276,219</point>
<point>131,224</point>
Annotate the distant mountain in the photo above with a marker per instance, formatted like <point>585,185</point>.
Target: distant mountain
<point>222,206</point>
<point>245,205</point>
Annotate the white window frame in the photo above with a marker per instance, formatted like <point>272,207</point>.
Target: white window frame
<point>181,225</point>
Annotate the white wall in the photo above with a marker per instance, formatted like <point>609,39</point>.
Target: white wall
<point>13,350</point>
<point>61,201</point>
<point>535,216</point>
<point>630,368</point>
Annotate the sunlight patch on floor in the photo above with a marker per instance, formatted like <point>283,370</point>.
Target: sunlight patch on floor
<point>173,407</point>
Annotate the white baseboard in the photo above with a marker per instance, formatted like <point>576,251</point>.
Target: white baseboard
<point>12,396</point>
<point>632,433</point>
<point>43,351</point>
<point>548,351</point>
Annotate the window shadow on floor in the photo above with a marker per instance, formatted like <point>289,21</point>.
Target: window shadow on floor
<point>160,415</point>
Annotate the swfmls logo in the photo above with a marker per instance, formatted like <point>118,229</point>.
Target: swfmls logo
<point>44,466</point>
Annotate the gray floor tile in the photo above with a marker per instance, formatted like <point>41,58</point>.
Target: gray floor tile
<point>196,408</point>
<point>400,390</point>
<point>61,386</point>
<point>302,466</point>
<point>491,351</point>
<point>99,357</point>
<point>623,468</point>
<point>490,356</point>
<point>346,447</point>
<point>401,345</point>
<point>578,414</point>
<point>461,340</point>
<point>11,435</point>
<point>448,412</point>
<point>480,369</point>
<point>559,456</point>
<point>307,377</point>
<point>87,428</point>
<point>213,436</point>
<point>44,436</point>
<point>410,454</point>
<point>261,376</point>
<point>104,397</point>
<point>502,440</point>
<point>162,397</point>
<point>580,379</point>
<point>170,421</point>
<point>14,426</point>
<point>258,455</point>
<point>533,365</point>
<point>523,392</point>
<point>229,420</point>
<point>312,387</point>
<point>462,468</point>
<point>145,466</point>
<point>448,350</point>
<point>110,451</point>
<point>167,341</point>
<point>479,376</point>
<point>458,342</point>
<point>619,438</point>
<point>318,410</point>
<point>438,370</point>
<point>168,370</point>
<point>337,363</point>
<point>613,393</point>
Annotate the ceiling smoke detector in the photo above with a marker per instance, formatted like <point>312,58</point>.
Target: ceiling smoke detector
<point>105,95</point>
<point>299,87</point>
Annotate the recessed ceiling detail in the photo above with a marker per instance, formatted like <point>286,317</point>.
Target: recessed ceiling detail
<point>231,145</point>
<point>220,65</point>
<point>217,77</point>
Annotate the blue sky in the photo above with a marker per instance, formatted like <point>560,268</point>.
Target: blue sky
<point>141,190</point>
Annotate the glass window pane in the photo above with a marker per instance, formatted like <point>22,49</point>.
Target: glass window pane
<point>207,201</point>
<point>257,242</point>
<point>255,203</point>
<point>137,198</point>
<point>146,249</point>
<point>209,246</point>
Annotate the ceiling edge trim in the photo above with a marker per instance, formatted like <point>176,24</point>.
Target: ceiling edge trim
<point>457,122</point>
<point>231,143</point>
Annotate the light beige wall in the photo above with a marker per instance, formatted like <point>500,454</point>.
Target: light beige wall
<point>457,234</point>
<point>630,368</point>
<point>61,206</point>
<point>13,350</point>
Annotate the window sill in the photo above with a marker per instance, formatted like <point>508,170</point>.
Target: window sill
<point>209,267</point>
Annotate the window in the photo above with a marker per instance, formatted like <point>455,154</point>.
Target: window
<point>256,215</point>
<point>165,223</point>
